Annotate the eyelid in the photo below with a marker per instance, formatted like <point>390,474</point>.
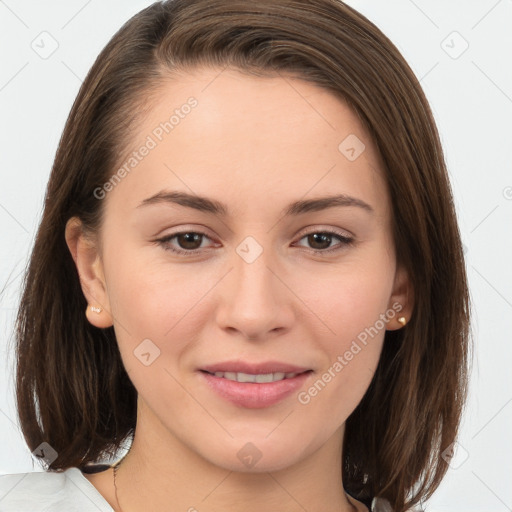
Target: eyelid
<point>346,239</point>
<point>165,240</point>
<point>308,230</point>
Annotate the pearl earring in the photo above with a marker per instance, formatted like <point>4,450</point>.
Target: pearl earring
<point>95,309</point>
<point>402,320</point>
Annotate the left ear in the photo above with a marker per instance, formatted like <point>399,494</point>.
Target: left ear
<point>401,300</point>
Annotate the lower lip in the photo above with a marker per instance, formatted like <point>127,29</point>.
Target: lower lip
<point>252,395</point>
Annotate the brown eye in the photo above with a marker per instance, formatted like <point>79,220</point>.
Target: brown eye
<point>323,242</point>
<point>189,241</point>
<point>319,240</point>
<point>186,243</point>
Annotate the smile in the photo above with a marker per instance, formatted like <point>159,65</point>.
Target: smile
<point>258,379</point>
<point>255,391</point>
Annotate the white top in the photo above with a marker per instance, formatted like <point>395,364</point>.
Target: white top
<point>65,491</point>
<point>68,491</point>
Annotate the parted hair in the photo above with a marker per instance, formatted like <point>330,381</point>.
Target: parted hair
<point>72,389</point>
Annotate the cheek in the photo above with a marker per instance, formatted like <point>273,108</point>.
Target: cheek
<point>153,299</point>
<point>352,306</point>
<point>351,358</point>
<point>350,300</point>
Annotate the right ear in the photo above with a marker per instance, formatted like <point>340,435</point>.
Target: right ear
<point>86,255</point>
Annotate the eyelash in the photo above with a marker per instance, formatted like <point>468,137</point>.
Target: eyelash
<point>344,241</point>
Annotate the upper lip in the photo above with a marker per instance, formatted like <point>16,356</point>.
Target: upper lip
<point>254,368</point>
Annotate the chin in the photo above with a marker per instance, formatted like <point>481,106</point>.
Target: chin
<point>256,455</point>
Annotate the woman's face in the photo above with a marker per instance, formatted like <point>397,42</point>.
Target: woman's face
<point>250,232</point>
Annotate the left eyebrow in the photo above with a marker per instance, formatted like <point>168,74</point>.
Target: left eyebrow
<point>207,205</point>
<point>322,203</point>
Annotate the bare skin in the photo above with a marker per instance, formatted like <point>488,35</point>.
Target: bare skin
<point>256,145</point>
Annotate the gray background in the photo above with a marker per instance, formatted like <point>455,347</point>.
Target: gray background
<point>470,91</point>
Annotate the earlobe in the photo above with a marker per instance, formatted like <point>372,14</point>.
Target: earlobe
<point>98,316</point>
<point>401,301</point>
<point>85,254</point>
<point>402,321</point>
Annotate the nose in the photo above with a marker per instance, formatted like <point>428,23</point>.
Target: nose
<point>254,303</point>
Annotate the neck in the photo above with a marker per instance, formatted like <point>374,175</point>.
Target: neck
<point>159,470</point>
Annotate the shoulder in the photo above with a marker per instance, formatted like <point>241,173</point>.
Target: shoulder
<point>383,505</point>
<point>50,491</point>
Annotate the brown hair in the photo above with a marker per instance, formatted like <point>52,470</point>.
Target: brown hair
<point>72,389</point>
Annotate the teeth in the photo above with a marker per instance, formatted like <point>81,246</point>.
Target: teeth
<point>259,379</point>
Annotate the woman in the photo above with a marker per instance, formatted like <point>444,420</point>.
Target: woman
<point>249,267</point>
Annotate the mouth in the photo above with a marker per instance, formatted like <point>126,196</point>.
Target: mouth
<point>254,386</point>
<point>259,378</point>
<point>250,368</point>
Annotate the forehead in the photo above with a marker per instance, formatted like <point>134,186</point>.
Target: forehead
<point>246,139</point>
